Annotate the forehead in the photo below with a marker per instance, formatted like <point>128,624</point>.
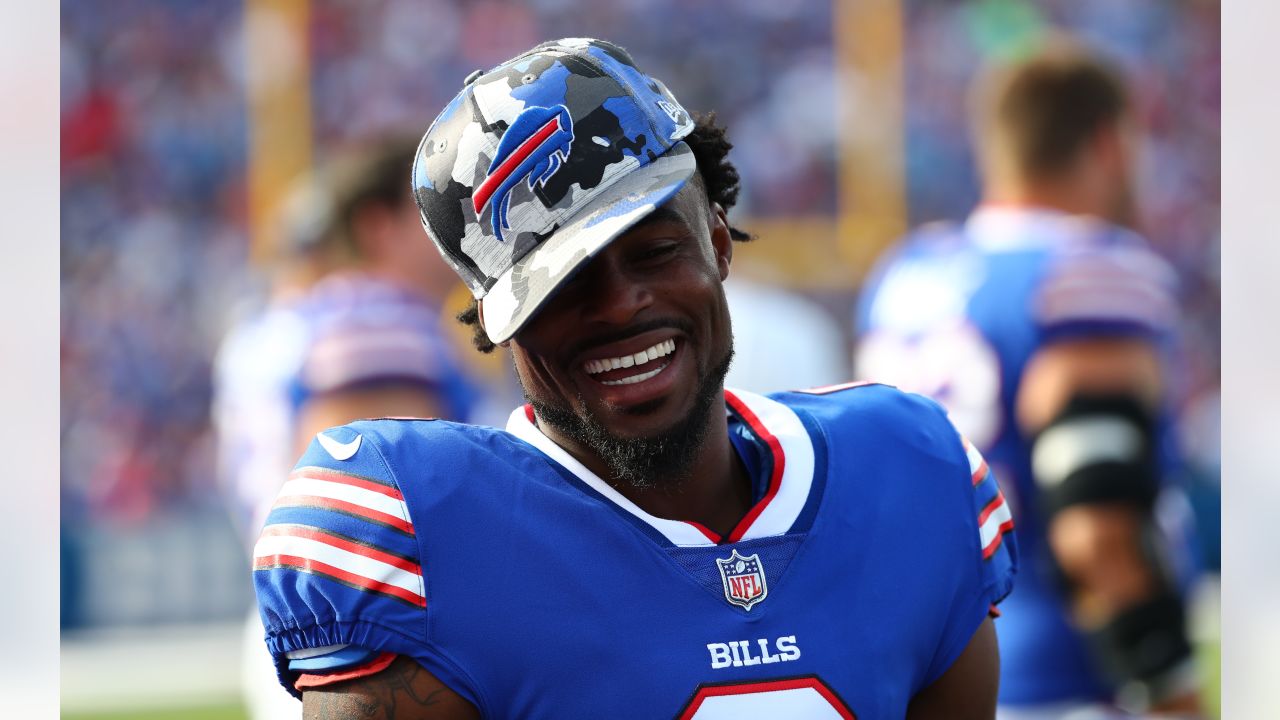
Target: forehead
<point>686,207</point>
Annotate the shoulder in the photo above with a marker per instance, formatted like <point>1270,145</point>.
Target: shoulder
<point>343,556</point>
<point>918,467</point>
<point>381,478</point>
<point>929,240</point>
<point>424,448</point>
<point>936,261</point>
<point>896,448</point>
<point>1109,281</point>
<point>932,236</point>
<point>1116,249</point>
<point>881,423</point>
<point>899,452</point>
<point>864,403</point>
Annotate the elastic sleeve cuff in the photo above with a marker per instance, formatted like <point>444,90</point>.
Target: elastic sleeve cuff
<point>308,681</point>
<point>337,659</point>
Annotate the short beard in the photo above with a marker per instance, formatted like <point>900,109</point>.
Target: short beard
<point>665,460</point>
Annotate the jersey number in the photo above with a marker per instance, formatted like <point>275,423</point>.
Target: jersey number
<point>800,697</point>
<point>953,364</point>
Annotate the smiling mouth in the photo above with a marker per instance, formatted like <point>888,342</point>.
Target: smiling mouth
<point>631,369</point>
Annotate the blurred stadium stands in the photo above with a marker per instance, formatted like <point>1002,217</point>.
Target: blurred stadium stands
<point>156,245</point>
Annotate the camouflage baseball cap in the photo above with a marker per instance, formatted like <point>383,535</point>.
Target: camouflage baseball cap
<point>537,164</point>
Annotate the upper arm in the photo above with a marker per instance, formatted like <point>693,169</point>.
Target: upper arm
<point>337,569</point>
<point>1102,313</point>
<point>1096,365</point>
<point>403,691</point>
<point>967,690</point>
<point>982,554</point>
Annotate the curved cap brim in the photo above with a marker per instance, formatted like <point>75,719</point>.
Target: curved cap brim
<point>519,292</point>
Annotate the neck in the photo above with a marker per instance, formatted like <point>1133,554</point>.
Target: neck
<point>1046,201</point>
<point>717,492</point>
<point>1075,194</point>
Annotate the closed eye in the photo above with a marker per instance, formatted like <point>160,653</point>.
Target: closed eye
<point>660,251</point>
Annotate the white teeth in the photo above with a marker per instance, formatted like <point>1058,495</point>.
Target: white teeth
<point>636,378</point>
<point>595,367</point>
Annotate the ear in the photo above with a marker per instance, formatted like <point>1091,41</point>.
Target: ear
<point>480,313</point>
<point>721,240</point>
<point>480,319</point>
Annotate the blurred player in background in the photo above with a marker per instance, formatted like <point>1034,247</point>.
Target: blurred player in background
<point>1041,324</point>
<point>352,330</point>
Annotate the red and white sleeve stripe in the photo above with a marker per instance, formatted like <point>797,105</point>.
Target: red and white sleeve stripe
<point>318,487</point>
<point>977,464</point>
<point>304,546</point>
<point>993,522</point>
<point>1117,285</point>
<point>318,551</point>
<point>995,519</point>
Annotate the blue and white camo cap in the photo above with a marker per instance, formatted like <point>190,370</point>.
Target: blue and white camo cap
<point>540,162</point>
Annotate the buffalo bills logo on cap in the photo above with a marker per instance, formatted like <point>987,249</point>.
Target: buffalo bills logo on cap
<point>743,579</point>
<point>534,147</point>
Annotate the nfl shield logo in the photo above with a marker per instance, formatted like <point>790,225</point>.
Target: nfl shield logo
<point>743,578</point>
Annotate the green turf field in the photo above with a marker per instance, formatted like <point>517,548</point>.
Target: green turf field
<point>1211,668</point>
<point>225,712</point>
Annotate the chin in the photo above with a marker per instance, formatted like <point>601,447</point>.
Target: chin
<point>647,456</point>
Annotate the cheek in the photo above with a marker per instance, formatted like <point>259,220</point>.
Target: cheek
<point>523,366</point>
<point>724,321</point>
<point>535,376</point>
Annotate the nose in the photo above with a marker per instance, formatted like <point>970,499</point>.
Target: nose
<point>609,295</point>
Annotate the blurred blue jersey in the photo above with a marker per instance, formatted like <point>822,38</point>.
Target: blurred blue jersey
<point>955,313</point>
<point>875,549</point>
<point>349,330</point>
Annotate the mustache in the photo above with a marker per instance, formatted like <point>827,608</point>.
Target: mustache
<point>585,344</point>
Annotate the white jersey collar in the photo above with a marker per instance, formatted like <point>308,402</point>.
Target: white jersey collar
<point>1016,227</point>
<point>789,487</point>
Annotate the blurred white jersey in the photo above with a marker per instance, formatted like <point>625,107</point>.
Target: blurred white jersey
<point>782,341</point>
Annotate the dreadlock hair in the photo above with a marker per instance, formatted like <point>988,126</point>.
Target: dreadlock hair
<point>719,179</point>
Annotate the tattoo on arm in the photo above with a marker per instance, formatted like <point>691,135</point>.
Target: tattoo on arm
<point>404,690</point>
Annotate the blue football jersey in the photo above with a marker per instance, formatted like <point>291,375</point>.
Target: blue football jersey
<point>349,330</point>
<point>955,312</point>
<point>877,546</point>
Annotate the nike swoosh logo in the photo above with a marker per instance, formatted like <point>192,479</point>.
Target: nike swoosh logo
<point>339,451</point>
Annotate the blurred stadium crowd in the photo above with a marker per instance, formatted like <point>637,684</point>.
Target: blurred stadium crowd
<point>155,242</point>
